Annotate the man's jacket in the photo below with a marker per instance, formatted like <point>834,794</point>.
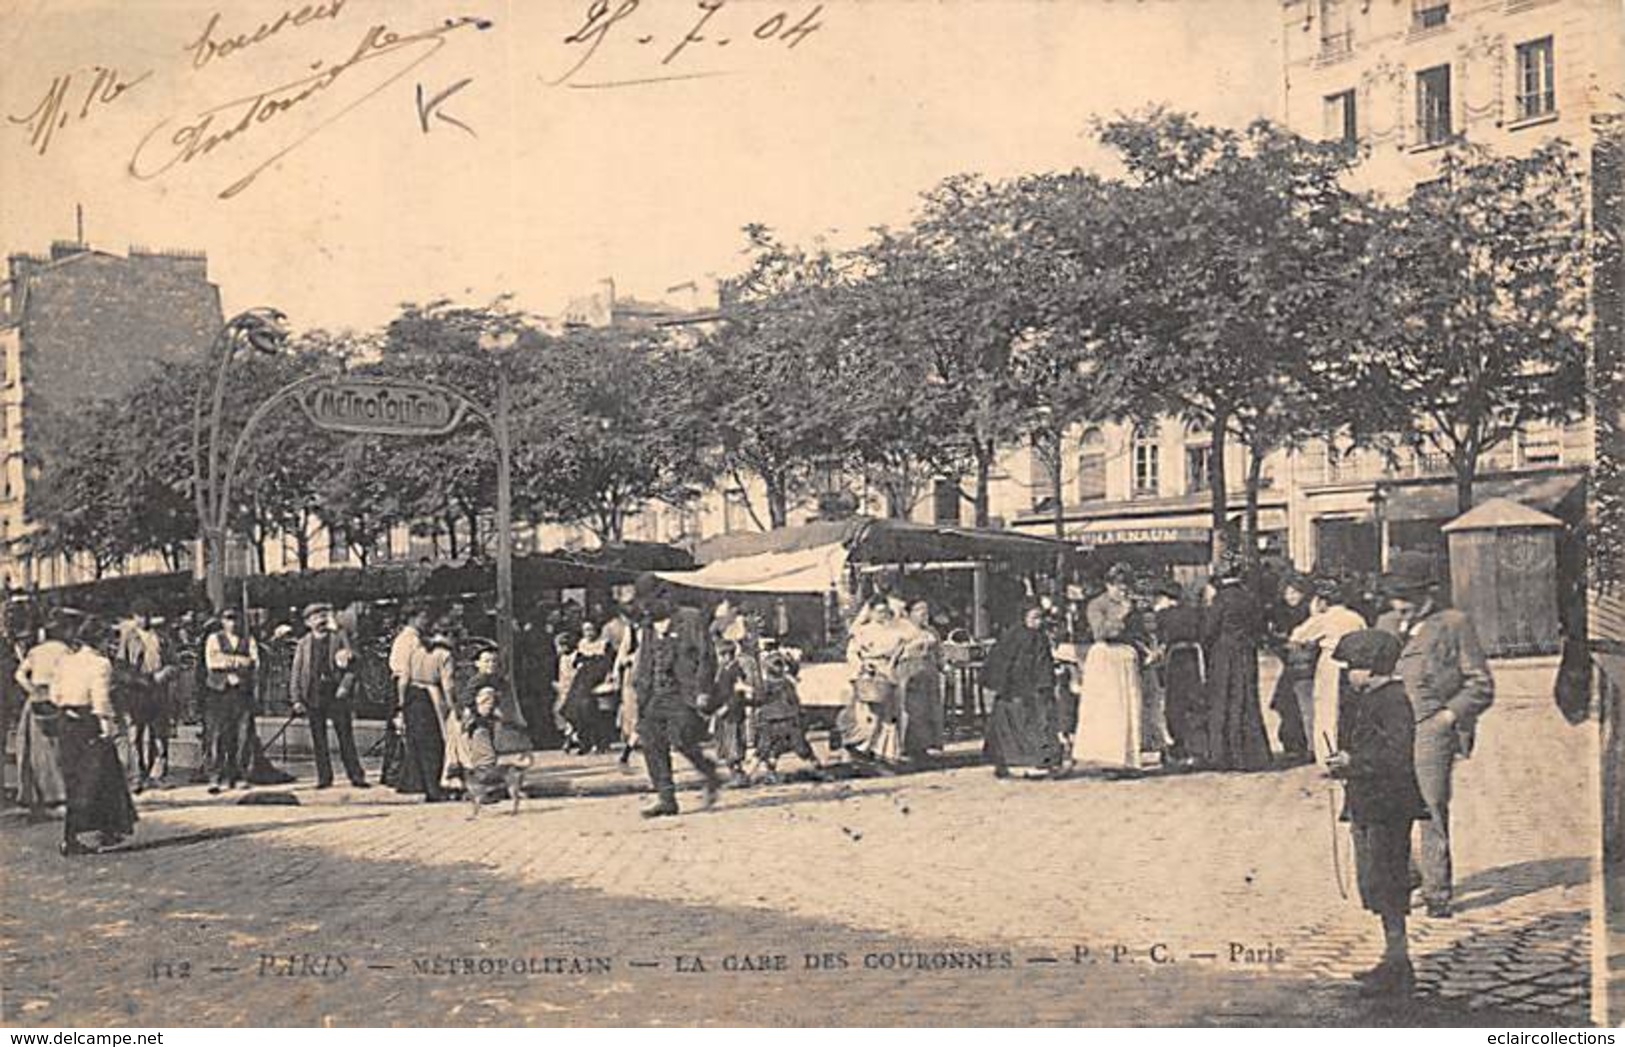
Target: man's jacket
<point>1444,667</point>
<point>693,663</point>
<point>314,680</point>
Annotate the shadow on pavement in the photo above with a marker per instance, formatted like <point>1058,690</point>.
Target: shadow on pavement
<point>276,931</point>
<point>1494,886</point>
<point>226,832</point>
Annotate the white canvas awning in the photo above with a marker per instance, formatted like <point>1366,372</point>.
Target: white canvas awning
<point>811,570</point>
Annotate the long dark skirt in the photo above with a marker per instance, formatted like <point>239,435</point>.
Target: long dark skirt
<point>585,711</point>
<point>39,759</point>
<point>1284,703</point>
<point>399,773</point>
<point>923,714</point>
<point>98,796</point>
<point>1235,721</point>
<point>1185,703</point>
<point>425,742</point>
<point>1021,732</point>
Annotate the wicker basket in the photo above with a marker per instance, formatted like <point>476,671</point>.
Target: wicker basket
<point>874,690</point>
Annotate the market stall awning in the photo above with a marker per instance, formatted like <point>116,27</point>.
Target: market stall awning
<point>871,540</point>
<point>810,570</point>
<point>1159,530</point>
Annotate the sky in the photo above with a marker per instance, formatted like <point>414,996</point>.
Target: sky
<point>319,172</point>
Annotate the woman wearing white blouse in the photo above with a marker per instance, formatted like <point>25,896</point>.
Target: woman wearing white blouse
<point>98,795</point>
<point>39,763</point>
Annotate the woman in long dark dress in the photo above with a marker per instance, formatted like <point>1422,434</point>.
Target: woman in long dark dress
<point>1231,629</point>
<point>1184,674</point>
<point>1021,728</point>
<point>98,795</point>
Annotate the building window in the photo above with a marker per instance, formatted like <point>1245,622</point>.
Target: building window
<point>1340,119</point>
<point>1430,14</point>
<point>1537,90</point>
<point>945,502</point>
<point>1336,32</point>
<point>338,550</point>
<point>1092,467</point>
<point>1147,462</point>
<point>1433,105</point>
<point>1540,444</point>
<point>1198,468</point>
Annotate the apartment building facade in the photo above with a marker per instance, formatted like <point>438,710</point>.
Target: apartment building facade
<point>76,324</point>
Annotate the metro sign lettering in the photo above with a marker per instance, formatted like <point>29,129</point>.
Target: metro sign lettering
<point>382,406</point>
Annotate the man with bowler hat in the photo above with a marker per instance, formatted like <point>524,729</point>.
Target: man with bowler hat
<point>320,686</point>
<point>673,670</point>
<point>1447,679</point>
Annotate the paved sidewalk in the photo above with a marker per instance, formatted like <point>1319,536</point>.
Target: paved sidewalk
<point>1032,902</point>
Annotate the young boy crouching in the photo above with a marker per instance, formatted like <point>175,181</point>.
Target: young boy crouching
<point>1375,758</point>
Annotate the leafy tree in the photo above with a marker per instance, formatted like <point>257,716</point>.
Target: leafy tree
<point>944,298</point>
<point>768,376</point>
<point>1243,241</point>
<point>1473,308</point>
<point>612,428</point>
<point>107,486</point>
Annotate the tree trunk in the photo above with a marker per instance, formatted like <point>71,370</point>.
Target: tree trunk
<point>1057,475</point>
<point>778,502</point>
<point>301,546</point>
<point>1255,473</point>
<point>984,472</point>
<point>1466,464</point>
<point>259,551</point>
<point>1219,485</point>
<point>476,547</point>
<point>896,509</point>
<point>451,536</point>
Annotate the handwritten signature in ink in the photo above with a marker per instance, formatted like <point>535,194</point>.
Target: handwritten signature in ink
<point>55,111</point>
<point>603,16</point>
<point>206,47</point>
<point>237,120</point>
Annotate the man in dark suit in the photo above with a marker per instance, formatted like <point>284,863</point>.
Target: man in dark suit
<point>320,686</point>
<point>671,677</point>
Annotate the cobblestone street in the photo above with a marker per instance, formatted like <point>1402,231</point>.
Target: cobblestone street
<point>1198,899</point>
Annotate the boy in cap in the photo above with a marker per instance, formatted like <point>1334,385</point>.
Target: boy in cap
<point>1375,758</point>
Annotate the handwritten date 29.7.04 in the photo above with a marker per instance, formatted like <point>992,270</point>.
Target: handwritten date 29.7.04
<point>710,28</point>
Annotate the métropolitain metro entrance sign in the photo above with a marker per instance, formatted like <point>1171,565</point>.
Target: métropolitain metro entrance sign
<point>382,406</point>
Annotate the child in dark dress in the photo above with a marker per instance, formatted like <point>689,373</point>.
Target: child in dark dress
<point>778,717</point>
<point>1376,761</point>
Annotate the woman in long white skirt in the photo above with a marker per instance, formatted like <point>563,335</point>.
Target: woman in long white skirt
<point>1109,703</point>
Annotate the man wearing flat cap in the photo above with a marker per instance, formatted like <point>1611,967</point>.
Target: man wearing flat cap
<point>1447,679</point>
<point>322,663</point>
<point>231,661</point>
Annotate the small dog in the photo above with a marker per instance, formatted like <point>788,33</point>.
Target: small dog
<point>508,774</point>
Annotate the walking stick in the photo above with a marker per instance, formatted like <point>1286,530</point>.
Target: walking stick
<point>1331,806</point>
<point>279,731</point>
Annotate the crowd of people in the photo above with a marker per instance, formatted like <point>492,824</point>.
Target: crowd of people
<point>1387,705</point>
